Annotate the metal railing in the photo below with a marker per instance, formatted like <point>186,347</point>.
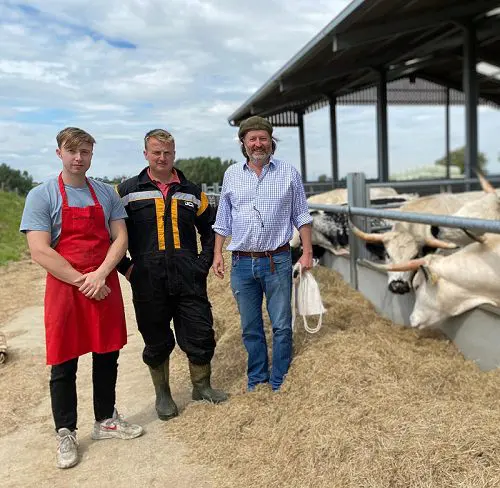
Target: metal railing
<point>357,207</point>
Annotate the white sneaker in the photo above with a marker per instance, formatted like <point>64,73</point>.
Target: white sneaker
<point>67,449</point>
<point>115,427</point>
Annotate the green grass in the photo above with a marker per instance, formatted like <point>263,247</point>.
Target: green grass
<point>12,242</point>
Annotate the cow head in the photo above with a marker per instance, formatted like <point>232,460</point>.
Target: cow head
<point>401,246</point>
<point>428,308</point>
<point>438,294</point>
<point>487,207</point>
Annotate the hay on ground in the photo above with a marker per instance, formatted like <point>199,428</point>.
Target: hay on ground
<point>366,404</point>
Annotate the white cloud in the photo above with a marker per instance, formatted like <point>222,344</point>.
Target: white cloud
<point>38,72</point>
<point>185,65</point>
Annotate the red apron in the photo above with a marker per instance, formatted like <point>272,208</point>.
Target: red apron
<point>75,324</point>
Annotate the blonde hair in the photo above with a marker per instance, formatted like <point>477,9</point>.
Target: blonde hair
<point>160,134</point>
<point>71,137</point>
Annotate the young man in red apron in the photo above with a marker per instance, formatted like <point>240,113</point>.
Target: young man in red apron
<point>79,238</point>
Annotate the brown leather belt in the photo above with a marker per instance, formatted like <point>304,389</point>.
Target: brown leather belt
<point>263,254</point>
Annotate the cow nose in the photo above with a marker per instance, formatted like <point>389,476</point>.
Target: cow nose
<point>399,286</point>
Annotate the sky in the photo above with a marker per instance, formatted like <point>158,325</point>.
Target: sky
<point>119,68</point>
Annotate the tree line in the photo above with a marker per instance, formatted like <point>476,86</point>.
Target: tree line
<point>15,180</point>
<point>199,170</point>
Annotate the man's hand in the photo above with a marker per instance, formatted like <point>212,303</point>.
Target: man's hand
<point>103,293</point>
<point>93,285</point>
<point>306,261</point>
<point>218,265</point>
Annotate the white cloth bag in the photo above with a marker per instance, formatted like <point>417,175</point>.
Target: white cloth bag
<point>306,298</point>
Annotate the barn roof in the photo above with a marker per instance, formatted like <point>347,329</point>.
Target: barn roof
<point>419,44</point>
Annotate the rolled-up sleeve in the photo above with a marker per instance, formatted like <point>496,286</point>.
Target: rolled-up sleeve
<point>300,210</point>
<point>223,221</point>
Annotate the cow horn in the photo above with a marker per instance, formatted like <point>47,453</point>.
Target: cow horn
<point>369,237</point>
<point>474,237</point>
<point>411,265</point>
<point>485,184</point>
<point>439,244</point>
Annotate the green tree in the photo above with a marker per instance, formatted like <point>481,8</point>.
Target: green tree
<point>14,180</point>
<point>111,181</point>
<point>322,178</point>
<point>457,158</point>
<point>204,169</point>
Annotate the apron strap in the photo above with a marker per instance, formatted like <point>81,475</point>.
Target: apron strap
<point>65,196</point>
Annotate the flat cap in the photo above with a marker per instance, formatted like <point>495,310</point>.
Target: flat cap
<point>254,123</point>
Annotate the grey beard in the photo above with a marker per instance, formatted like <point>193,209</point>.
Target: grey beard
<point>259,159</point>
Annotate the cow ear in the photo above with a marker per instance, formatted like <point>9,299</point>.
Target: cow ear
<point>430,276</point>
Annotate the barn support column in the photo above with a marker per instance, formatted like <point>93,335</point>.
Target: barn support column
<point>333,141</point>
<point>447,134</point>
<point>382,134</point>
<point>302,143</point>
<point>357,196</point>
<point>470,89</point>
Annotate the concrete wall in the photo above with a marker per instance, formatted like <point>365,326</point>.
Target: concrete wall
<point>476,333</point>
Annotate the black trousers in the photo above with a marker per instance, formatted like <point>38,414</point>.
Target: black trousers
<point>193,324</point>
<point>162,294</point>
<point>63,389</point>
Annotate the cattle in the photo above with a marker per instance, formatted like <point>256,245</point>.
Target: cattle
<point>330,230</point>
<point>487,207</point>
<point>408,241</point>
<point>444,289</point>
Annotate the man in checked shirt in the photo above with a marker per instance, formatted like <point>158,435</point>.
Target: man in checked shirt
<point>261,201</point>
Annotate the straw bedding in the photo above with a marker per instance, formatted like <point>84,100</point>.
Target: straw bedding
<point>366,404</point>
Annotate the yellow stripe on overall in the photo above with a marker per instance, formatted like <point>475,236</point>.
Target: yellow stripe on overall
<point>203,204</point>
<point>175,224</point>
<point>160,213</point>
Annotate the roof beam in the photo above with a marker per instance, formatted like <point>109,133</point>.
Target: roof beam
<point>446,41</point>
<point>371,33</point>
<point>455,86</point>
<point>408,69</point>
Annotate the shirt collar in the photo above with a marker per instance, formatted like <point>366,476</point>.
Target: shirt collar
<point>272,163</point>
<point>175,178</point>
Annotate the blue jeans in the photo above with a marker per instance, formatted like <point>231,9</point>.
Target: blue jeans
<point>251,278</point>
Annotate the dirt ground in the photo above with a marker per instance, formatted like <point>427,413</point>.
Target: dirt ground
<point>27,443</point>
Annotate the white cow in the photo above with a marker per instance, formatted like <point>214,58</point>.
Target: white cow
<point>446,286</point>
<point>408,241</point>
<point>487,207</point>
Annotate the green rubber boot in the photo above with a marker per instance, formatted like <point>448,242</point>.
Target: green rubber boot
<point>165,405</point>
<point>200,377</point>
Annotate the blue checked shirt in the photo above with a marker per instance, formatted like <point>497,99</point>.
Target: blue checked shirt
<point>259,213</point>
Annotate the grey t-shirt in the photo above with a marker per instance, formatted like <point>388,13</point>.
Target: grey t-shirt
<point>42,210</point>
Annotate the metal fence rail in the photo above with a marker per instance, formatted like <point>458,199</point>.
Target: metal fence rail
<point>431,219</point>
